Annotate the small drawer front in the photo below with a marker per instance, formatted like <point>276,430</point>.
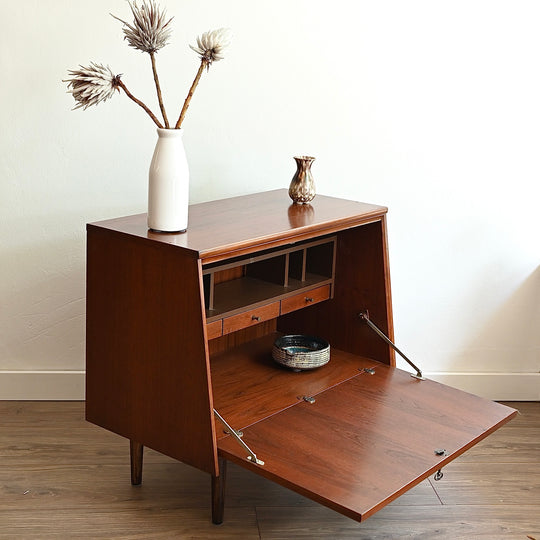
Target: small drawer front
<point>214,329</point>
<point>250,318</point>
<point>305,299</point>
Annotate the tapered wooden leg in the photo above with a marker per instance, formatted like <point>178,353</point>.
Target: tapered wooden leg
<point>218,493</point>
<point>136,454</point>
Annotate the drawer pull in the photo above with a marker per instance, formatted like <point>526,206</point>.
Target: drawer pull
<point>250,318</point>
<point>305,299</point>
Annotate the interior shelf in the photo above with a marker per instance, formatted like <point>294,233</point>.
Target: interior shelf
<point>249,386</point>
<point>245,283</point>
<point>245,293</point>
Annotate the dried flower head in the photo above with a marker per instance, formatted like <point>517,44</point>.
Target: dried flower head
<point>210,45</point>
<point>91,85</point>
<point>149,31</point>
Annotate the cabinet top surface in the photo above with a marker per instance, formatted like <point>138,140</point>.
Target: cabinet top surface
<point>260,220</point>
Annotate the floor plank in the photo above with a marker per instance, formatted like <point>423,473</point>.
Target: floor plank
<point>64,478</point>
<point>129,523</point>
<point>397,522</point>
<point>489,483</point>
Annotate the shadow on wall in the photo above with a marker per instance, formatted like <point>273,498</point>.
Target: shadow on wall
<point>502,361</point>
<point>511,337</point>
<point>43,308</point>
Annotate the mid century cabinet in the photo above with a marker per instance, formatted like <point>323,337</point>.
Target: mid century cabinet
<point>180,329</point>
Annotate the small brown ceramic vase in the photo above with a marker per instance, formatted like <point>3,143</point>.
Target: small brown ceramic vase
<point>302,188</point>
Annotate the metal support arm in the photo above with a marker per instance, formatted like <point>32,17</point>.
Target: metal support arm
<point>252,457</point>
<point>364,315</point>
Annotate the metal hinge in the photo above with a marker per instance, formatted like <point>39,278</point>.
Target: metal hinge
<point>237,436</point>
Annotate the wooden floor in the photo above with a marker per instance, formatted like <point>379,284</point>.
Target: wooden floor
<point>61,477</point>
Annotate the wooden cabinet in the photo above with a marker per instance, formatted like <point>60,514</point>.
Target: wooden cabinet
<point>180,330</point>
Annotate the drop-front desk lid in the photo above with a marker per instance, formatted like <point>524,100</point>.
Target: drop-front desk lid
<point>364,442</point>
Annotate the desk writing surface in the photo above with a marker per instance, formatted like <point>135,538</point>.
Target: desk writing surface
<point>367,440</point>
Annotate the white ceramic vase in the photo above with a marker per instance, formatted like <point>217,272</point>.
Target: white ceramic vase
<point>168,183</point>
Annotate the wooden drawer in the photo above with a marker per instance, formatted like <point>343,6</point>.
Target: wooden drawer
<point>250,318</point>
<point>304,299</point>
<point>214,329</point>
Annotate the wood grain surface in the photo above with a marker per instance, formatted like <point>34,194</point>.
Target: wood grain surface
<point>63,478</point>
<point>249,386</point>
<point>366,441</point>
<point>361,283</point>
<point>248,223</point>
<point>147,375</point>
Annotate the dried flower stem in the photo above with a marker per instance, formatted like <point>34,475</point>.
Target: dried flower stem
<point>158,90</point>
<point>204,63</point>
<point>119,83</point>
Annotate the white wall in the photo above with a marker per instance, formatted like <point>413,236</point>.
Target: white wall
<point>429,107</point>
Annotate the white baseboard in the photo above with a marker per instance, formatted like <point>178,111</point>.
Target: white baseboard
<point>495,386</point>
<point>42,385</point>
<point>69,385</point>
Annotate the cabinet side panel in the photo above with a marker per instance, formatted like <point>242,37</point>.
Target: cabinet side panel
<point>362,281</point>
<point>147,373</point>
